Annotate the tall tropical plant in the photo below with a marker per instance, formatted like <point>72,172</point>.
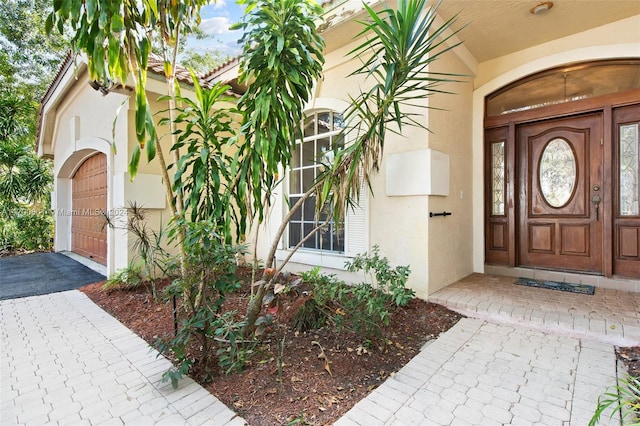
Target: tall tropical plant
<point>203,173</point>
<point>28,60</point>
<point>117,36</point>
<point>24,177</point>
<point>281,61</point>
<point>399,46</point>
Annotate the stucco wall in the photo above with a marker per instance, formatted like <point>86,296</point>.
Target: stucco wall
<point>80,130</point>
<point>83,126</point>
<point>399,223</point>
<point>450,238</point>
<point>147,189</point>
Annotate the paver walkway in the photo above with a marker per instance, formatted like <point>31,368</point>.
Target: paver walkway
<point>66,361</point>
<point>524,357</point>
<point>529,357</point>
<point>608,315</point>
<point>480,373</point>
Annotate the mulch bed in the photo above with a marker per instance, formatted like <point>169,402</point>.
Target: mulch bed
<point>286,381</point>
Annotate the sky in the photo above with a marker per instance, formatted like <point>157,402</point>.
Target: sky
<point>216,19</point>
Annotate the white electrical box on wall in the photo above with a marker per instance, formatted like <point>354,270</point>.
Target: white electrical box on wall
<point>438,176</point>
<point>423,172</point>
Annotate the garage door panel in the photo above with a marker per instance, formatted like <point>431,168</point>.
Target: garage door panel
<point>89,198</point>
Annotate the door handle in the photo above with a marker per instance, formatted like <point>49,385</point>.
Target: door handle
<point>596,201</point>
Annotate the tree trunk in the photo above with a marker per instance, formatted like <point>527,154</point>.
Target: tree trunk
<point>255,304</point>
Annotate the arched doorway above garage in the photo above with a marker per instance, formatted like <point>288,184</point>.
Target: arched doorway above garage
<point>561,170</point>
<point>89,206</point>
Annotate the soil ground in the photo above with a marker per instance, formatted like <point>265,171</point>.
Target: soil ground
<point>287,381</point>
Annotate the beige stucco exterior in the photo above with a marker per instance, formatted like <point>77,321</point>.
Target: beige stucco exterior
<point>439,250</point>
<point>78,122</point>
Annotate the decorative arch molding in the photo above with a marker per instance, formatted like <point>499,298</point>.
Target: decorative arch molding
<point>74,157</point>
<point>592,53</point>
<point>83,149</point>
<point>332,104</point>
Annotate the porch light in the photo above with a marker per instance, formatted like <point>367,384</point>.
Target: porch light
<point>541,8</point>
<point>101,87</point>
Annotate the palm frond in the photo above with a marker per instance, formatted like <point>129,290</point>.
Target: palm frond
<point>398,49</point>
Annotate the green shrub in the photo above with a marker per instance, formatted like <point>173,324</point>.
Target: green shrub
<point>623,398</point>
<point>8,236</point>
<point>366,307</point>
<point>390,281</point>
<point>154,260</point>
<point>27,230</point>
<point>233,351</point>
<point>210,276</point>
<point>310,316</point>
<point>128,278</point>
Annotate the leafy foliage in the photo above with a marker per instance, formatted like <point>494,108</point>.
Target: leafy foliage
<point>203,173</point>
<point>211,265</point>
<point>27,229</point>
<point>233,351</point>
<point>28,61</point>
<point>281,59</point>
<point>365,307</point>
<point>212,276</point>
<point>152,260</point>
<point>390,281</point>
<point>29,57</point>
<point>128,278</point>
<point>117,37</point>
<point>25,180</point>
<point>310,316</point>
<point>203,61</point>
<point>623,398</point>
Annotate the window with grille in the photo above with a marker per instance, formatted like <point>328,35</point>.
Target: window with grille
<point>321,139</point>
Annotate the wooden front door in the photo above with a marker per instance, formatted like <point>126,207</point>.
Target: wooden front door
<point>560,194</point>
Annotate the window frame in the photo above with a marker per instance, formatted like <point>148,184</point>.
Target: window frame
<point>356,221</point>
<point>306,169</point>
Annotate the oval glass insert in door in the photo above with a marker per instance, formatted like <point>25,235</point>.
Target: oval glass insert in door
<point>557,173</point>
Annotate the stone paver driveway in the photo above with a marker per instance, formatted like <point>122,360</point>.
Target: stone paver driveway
<point>66,361</point>
<point>523,357</point>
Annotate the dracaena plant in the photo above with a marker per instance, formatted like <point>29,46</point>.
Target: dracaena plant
<point>399,46</point>
<point>281,60</point>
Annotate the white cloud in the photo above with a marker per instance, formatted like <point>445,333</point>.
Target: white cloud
<point>219,4</point>
<point>217,25</point>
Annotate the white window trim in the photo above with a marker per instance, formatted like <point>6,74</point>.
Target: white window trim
<point>325,259</point>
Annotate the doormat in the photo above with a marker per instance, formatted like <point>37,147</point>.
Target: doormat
<point>555,285</point>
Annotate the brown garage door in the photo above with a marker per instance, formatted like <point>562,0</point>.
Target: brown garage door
<point>89,195</point>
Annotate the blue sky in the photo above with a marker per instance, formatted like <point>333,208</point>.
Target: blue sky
<point>216,19</point>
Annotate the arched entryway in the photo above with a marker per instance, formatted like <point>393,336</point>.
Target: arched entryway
<point>89,206</point>
<point>561,170</point>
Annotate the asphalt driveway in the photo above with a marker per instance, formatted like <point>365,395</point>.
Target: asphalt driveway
<point>42,273</point>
